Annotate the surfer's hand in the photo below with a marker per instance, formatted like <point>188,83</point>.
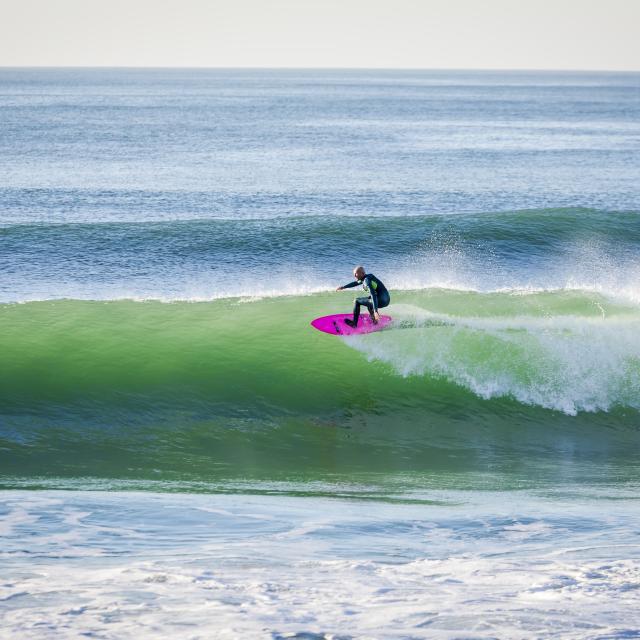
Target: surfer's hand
<point>376,317</point>
<point>339,288</point>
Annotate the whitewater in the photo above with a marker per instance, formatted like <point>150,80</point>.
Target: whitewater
<point>182,454</point>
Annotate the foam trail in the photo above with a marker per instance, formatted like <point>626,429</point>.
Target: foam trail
<point>567,363</point>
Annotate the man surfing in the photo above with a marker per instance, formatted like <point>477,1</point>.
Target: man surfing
<point>377,299</point>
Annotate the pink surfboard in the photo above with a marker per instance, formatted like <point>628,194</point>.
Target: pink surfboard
<point>336,326</point>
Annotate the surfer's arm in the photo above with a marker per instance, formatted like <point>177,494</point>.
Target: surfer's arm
<point>355,283</point>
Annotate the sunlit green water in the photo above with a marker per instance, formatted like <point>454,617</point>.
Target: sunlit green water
<point>466,389</point>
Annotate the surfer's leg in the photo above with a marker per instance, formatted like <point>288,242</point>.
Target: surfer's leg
<point>364,302</point>
<point>383,300</point>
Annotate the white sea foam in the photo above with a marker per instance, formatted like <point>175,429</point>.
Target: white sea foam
<point>498,565</point>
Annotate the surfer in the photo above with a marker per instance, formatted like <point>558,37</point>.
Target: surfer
<point>378,295</point>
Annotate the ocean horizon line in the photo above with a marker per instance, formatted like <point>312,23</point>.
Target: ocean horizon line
<point>327,68</point>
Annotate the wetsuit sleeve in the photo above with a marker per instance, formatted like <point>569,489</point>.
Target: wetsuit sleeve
<point>372,285</point>
<point>355,283</point>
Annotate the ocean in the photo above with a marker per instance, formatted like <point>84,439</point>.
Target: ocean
<point>182,455</point>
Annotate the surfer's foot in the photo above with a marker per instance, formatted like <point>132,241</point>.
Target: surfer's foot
<point>350,323</point>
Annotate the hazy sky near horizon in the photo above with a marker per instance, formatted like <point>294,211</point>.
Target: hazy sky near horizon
<point>444,34</point>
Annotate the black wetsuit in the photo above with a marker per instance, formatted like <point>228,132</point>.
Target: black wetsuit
<point>378,295</point>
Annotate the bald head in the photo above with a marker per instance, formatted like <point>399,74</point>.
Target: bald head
<point>359,272</point>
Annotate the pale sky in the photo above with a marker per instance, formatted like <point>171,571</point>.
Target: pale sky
<point>431,34</point>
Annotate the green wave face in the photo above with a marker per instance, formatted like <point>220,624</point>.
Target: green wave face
<point>463,382</point>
